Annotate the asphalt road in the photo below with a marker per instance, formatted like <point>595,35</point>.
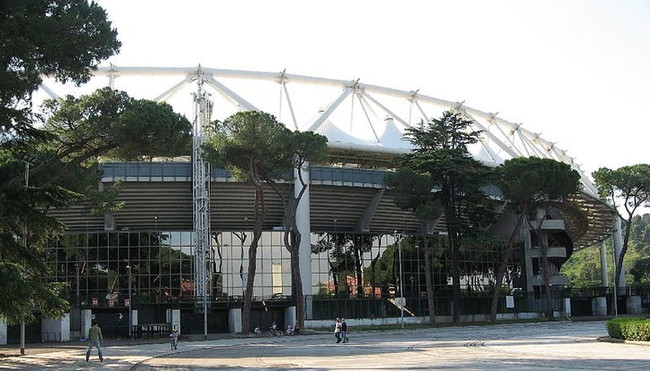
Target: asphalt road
<point>538,346</point>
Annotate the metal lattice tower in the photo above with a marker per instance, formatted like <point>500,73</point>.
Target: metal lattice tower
<point>201,197</point>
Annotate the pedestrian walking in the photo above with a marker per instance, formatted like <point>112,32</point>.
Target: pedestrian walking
<point>337,330</point>
<point>344,330</point>
<point>174,336</point>
<point>95,339</point>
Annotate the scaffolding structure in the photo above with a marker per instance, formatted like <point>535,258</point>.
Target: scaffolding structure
<point>201,200</point>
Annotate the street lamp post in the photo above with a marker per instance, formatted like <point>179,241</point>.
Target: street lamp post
<point>614,276</point>
<point>76,266</point>
<point>22,323</point>
<point>128,271</point>
<point>401,277</point>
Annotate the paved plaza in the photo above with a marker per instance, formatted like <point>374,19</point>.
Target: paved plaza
<point>538,346</point>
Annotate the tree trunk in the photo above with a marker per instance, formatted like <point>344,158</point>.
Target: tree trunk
<point>455,272</point>
<point>359,272</point>
<point>619,260</point>
<point>299,294</point>
<point>429,282</point>
<point>507,255</point>
<point>292,240</point>
<point>546,274</point>
<point>252,259</point>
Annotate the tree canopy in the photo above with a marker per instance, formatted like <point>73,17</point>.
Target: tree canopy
<point>530,184</point>
<point>631,184</point>
<point>440,153</point>
<point>65,39</point>
<point>60,166</point>
<point>255,147</point>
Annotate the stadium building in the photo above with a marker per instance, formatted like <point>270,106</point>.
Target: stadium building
<point>176,253</point>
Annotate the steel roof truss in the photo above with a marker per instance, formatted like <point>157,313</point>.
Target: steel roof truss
<point>365,106</point>
<point>331,108</point>
<point>176,88</point>
<point>229,93</point>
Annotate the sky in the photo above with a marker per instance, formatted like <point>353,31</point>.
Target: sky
<point>576,71</point>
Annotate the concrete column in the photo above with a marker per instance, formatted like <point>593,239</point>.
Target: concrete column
<point>173,316</point>
<point>56,329</point>
<point>603,265</point>
<point>134,317</point>
<point>633,304</point>
<point>567,307</point>
<point>304,226</point>
<point>86,322</point>
<point>599,306</point>
<point>617,236</point>
<point>528,265</point>
<point>235,320</point>
<point>3,332</point>
<point>289,316</point>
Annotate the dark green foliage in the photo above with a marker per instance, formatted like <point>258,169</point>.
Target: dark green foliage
<point>63,171</point>
<point>65,39</point>
<point>255,147</point>
<point>629,328</point>
<point>251,145</point>
<point>529,182</point>
<point>630,184</point>
<point>111,124</point>
<point>440,158</point>
<point>583,268</point>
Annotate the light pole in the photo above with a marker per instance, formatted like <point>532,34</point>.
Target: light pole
<point>76,266</point>
<point>128,271</point>
<point>401,277</point>
<point>22,323</point>
<point>614,276</point>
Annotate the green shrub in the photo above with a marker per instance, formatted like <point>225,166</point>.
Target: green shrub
<point>629,328</point>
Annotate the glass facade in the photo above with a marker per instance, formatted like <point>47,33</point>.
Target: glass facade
<point>97,266</point>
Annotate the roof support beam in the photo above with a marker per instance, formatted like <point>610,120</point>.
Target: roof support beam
<point>246,105</point>
<point>333,106</point>
<point>366,218</point>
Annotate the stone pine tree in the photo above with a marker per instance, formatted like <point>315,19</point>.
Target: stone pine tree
<point>59,165</point>
<point>256,148</point>
<point>62,39</point>
<point>440,152</point>
<point>303,148</point>
<point>630,184</point>
<point>414,192</point>
<point>530,184</point>
<point>246,144</point>
<point>65,40</point>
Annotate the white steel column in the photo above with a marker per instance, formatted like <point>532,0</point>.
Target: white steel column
<point>603,265</point>
<point>201,198</point>
<point>304,227</point>
<point>617,239</point>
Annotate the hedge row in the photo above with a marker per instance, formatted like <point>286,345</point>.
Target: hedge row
<point>629,328</point>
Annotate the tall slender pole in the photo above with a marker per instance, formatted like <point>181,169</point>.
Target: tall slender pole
<point>76,266</point>
<point>201,198</point>
<point>401,277</point>
<point>128,270</point>
<point>22,322</point>
<point>614,280</point>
